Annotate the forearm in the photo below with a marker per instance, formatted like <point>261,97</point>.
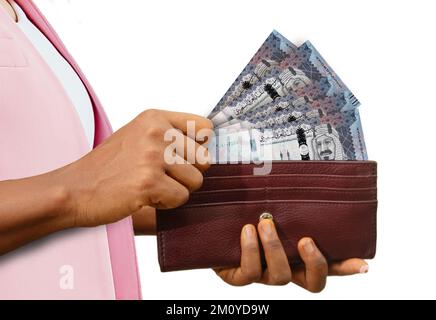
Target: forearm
<point>34,207</point>
<point>126,173</point>
<point>31,208</point>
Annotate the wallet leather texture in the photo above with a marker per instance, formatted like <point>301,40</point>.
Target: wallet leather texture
<point>334,202</point>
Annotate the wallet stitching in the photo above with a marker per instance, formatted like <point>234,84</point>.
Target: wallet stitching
<point>372,192</point>
<point>318,202</point>
<point>162,241</point>
<point>357,163</point>
<point>280,175</point>
<point>371,165</point>
<point>165,251</point>
<point>374,228</point>
<point>295,189</point>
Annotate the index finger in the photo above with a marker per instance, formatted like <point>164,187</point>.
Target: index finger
<point>192,125</point>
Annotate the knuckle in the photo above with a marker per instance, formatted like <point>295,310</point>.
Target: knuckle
<point>252,275</point>
<point>251,247</point>
<point>281,279</point>
<point>203,166</point>
<point>137,204</point>
<point>182,197</point>
<point>273,244</point>
<point>155,132</point>
<point>146,116</point>
<point>208,124</point>
<point>150,113</point>
<point>318,288</point>
<point>206,165</point>
<point>149,179</point>
<point>179,198</point>
<point>153,156</point>
<point>318,263</point>
<point>197,181</point>
<point>207,162</point>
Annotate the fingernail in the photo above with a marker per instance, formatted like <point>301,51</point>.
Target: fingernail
<point>364,269</point>
<point>266,216</point>
<point>248,231</point>
<point>309,247</point>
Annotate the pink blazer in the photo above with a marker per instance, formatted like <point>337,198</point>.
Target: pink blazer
<point>40,131</point>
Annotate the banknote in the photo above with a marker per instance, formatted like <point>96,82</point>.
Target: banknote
<point>317,137</point>
<point>336,136</point>
<point>288,117</point>
<point>278,84</point>
<point>330,134</point>
<point>228,146</point>
<point>287,109</point>
<point>291,107</point>
<point>255,145</point>
<point>290,101</point>
<point>305,73</point>
<point>273,52</point>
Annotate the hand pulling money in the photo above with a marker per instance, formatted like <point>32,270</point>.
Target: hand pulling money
<point>287,104</point>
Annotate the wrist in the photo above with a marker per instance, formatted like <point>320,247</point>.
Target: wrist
<point>59,200</point>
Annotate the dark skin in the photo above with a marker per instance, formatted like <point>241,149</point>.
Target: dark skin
<point>135,178</point>
<point>124,174</point>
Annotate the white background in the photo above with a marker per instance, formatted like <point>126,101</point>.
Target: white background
<point>183,55</point>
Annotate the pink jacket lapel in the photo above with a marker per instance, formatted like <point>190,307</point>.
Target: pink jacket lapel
<point>120,234</point>
<point>102,126</point>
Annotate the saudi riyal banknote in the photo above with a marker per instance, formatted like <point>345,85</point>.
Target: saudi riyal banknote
<point>297,108</point>
<point>303,73</point>
<point>278,83</point>
<point>335,136</point>
<point>288,109</point>
<point>272,54</point>
<point>284,113</point>
<point>297,136</point>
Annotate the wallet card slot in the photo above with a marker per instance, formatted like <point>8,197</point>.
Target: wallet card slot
<point>349,168</point>
<point>208,235</point>
<point>285,193</point>
<point>288,180</point>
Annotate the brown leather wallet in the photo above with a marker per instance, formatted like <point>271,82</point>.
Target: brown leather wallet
<point>333,202</point>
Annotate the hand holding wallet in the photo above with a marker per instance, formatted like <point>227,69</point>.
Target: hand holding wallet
<point>333,202</point>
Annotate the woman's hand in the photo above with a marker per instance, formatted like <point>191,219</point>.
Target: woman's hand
<point>312,276</point>
<point>127,174</point>
<point>132,169</point>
